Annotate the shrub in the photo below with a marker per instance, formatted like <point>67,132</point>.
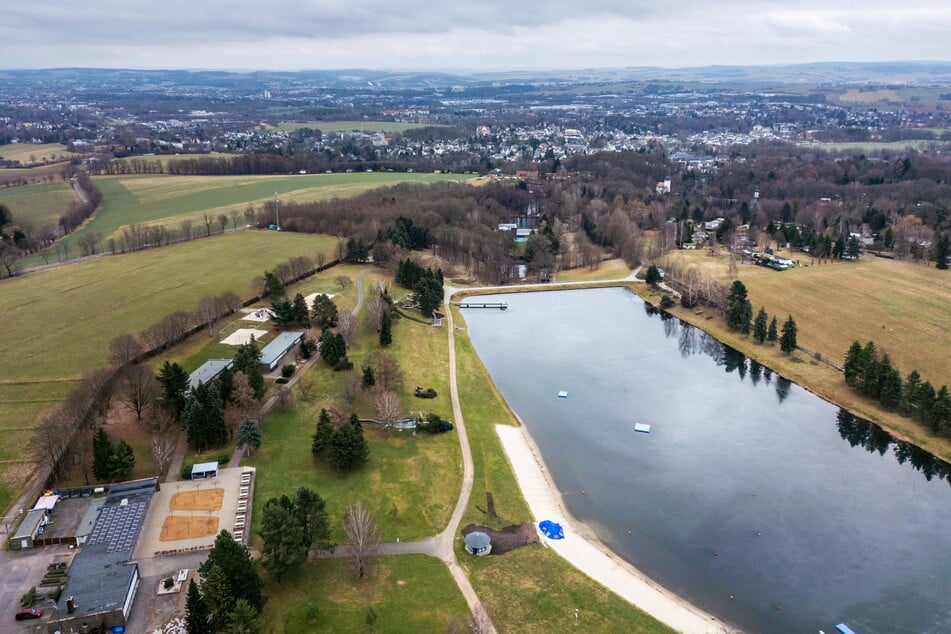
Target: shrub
<point>434,424</point>
<point>427,393</point>
<point>186,472</point>
<point>282,380</point>
<point>168,583</point>
<point>666,301</point>
<point>287,371</point>
<point>27,599</point>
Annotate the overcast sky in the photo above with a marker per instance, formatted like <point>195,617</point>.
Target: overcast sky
<point>471,35</point>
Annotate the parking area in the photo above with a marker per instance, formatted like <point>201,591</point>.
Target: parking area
<point>22,570</point>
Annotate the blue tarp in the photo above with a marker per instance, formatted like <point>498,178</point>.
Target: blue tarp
<point>551,530</point>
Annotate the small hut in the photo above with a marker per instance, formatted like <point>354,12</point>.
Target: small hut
<point>478,543</point>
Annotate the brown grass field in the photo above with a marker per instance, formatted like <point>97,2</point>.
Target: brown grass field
<point>203,500</point>
<point>178,527</point>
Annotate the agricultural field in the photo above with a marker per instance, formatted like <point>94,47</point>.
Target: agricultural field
<point>38,204</point>
<point>873,146</point>
<point>30,153</point>
<point>67,315</point>
<point>19,175</point>
<point>369,127</point>
<point>168,200</point>
<point>165,158</point>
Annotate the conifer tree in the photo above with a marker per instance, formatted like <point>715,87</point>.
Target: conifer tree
<point>787,342</point>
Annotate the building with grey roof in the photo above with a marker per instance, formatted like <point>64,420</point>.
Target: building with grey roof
<point>273,352</point>
<point>30,527</point>
<point>208,371</point>
<point>102,583</point>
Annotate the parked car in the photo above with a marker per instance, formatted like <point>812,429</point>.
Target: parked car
<point>28,613</point>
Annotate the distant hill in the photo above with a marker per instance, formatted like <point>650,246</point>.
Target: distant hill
<point>819,73</point>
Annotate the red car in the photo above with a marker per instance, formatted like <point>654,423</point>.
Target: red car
<point>28,613</point>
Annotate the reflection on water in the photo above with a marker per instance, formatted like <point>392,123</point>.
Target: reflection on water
<point>857,431</point>
<point>739,461</point>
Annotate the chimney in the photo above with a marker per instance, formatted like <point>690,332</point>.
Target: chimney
<point>70,605</point>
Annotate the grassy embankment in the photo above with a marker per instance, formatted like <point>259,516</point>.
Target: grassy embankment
<point>901,306</point>
<point>147,200</point>
<point>65,318</point>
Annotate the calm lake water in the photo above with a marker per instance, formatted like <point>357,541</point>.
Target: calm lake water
<point>747,485</point>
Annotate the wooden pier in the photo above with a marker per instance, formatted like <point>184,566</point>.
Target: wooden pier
<point>499,305</point>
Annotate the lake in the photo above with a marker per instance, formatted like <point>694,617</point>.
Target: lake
<point>756,500</point>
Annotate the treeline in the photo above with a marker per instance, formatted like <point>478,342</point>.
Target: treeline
<point>871,373</point>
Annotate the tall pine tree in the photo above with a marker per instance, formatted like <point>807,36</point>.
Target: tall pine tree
<point>759,326</point>
<point>787,343</point>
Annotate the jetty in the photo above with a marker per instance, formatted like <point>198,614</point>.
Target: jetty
<point>499,305</point>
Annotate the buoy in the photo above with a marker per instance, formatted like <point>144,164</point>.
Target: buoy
<point>695,494</point>
<point>582,491</point>
<point>731,597</point>
<point>779,608</point>
<point>759,533</point>
<point>630,532</point>
<point>754,493</point>
<point>666,492</point>
<point>716,554</point>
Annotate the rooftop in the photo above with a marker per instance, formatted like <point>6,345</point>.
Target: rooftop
<point>29,523</point>
<point>208,370</point>
<point>279,345</point>
<point>99,577</point>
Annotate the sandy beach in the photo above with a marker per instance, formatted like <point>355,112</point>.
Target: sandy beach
<point>587,553</point>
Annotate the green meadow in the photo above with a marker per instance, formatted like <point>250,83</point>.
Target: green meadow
<point>38,204</point>
<point>168,200</point>
<point>30,153</point>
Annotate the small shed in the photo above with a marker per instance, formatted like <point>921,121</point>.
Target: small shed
<point>273,352</point>
<point>31,526</point>
<point>204,470</point>
<point>478,543</point>
<point>47,502</point>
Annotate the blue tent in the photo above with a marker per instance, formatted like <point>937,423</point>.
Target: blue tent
<point>551,530</point>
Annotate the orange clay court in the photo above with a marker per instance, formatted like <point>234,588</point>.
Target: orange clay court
<point>203,500</point>
<point>178,527</point>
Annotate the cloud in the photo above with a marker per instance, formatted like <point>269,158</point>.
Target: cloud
<point>464,34</point>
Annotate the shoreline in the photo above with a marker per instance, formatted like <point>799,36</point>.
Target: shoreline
<point>586,552</point>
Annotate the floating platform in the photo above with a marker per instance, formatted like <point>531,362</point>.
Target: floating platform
<point>644,428</point>
<point>844,629</point>
<point>562,394</point>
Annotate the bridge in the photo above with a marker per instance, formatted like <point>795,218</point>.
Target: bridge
<point>500,305</point>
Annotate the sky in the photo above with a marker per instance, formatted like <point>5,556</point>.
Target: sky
<point>475,35</point>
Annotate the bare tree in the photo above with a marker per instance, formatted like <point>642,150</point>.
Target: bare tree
<point>163,448</point>
<point>343,282</point>
<point>386,370</point>
<point>206,218</point>
<point>222,222</point>
<point>285,398</point>
<point>242,404</point>
<point>306,385</point>
<point>230,301</point>
<point>364,536</point>
<point>321,258</point>
<point>137,388</point>
<point>209,310</point>
<point>186,226</point>
<point>388,408</point>
<point>235,214</point>
<point>50,439</point>
<point>351,388</point>
<point>347,327</point>
<point>125,349</point>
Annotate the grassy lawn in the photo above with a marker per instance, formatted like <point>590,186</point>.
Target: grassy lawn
<point>409,593</point>
<point>168,200</point>
<point>40,153</point>
<point>608,270</point>
<point>872,146</point>
<point>165,158</point>
<point>411,482</point>
<point>52,171</point>
<point>531,589</point>
<point>369,127</point>
<point>38,204</point>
